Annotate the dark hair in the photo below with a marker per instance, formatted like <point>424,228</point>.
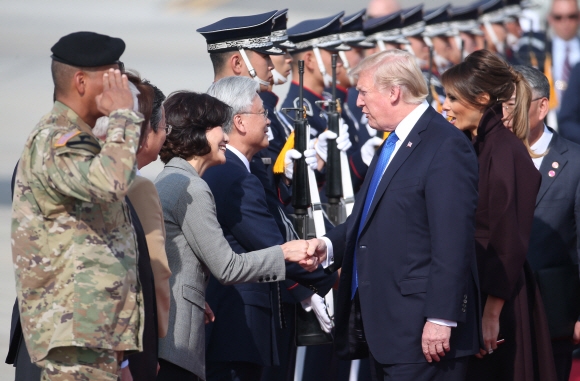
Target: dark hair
<point>191,115</point>
<point>483,72</point>
<point>219,60</point>
<point>150,101</point>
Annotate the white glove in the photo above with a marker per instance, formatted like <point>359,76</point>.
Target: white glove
<point>367,151</point>
<point>289,158</point>
<point>292,154</point>
<point>317,304</point>
<point>342,142</point>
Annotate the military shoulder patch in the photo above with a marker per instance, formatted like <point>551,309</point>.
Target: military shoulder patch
<point>79,140</point>
<point>61,142</point>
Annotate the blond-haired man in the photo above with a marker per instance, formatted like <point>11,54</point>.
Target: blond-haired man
<point>407,250</point>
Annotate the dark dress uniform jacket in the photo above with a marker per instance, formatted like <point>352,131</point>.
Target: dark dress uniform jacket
<point>508,185</point>
<point>244,325</point>
<point>416,252</point>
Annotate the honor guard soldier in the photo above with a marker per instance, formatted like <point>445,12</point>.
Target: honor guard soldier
<point>465,25</point>
<point>411,29</point>
<point>352,34</point>
<point>443,52</point>
<point>280,126</point>
<point>315,41</point>
<point>73,244</point>
<point>492,17</point>
<point>242,46</point>
<point>384,32</point>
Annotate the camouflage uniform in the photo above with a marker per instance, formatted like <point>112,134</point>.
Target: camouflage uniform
<point>73,245</point>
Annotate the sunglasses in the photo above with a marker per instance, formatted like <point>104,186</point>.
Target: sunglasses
<point>572,17</point>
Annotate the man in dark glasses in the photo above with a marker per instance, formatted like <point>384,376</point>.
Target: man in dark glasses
<point>565,49</point>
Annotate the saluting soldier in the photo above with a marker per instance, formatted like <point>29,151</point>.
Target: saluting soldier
<point>73,245</point>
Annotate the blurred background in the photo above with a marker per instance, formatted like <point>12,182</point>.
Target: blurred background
<point>162,45</point>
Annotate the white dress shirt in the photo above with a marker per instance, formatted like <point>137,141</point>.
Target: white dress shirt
<point>402,130</point>
<point>541,146</point>
<point>240,155</point>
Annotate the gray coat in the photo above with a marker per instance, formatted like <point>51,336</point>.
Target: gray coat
<point>195,247</point>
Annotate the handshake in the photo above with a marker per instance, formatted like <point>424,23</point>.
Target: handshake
<point>308,254</point>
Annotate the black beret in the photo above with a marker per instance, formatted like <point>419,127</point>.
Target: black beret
<point>88,49</point>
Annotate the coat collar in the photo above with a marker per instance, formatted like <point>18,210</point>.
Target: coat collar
<point>400,157</point>
<point>182,164</point>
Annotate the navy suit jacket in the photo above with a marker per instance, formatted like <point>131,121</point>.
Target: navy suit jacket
<point>554,240</point>
<point>416,251</point>
<point>244,326</point>
<point>568,117</point>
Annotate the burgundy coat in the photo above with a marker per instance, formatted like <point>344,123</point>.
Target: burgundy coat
<point>508,186</point>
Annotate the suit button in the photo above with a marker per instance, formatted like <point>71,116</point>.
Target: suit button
<point>274,277</point>
<point>261,280</point>
<point>267,278</point>
<point>362,247</point>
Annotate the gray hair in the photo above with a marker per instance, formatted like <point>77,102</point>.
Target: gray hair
<point>237,92</point>
<point>536,79</point>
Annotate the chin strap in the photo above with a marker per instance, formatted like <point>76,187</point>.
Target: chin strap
<point>459,43</point>
<point>498,44</point>
<point>346,66</point>
<point>278,78</point>
<point>251,69</point>
<point>327,78</point>
<point>440,62</point>
<point>381,45</point>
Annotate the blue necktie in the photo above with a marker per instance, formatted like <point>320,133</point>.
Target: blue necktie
<point>375,180</point>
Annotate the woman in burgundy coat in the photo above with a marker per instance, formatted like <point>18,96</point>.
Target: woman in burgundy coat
<point>514,327</point>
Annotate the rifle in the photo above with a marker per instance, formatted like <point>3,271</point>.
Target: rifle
<point>333,167</point>
<point>308,330</point>
<point>300,188</point>
<point>429,76</point>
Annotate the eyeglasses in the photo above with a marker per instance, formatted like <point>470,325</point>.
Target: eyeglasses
<point>511,107</point>
<point>571,17</point>
<point>263,113</point>
<point>168,128</point>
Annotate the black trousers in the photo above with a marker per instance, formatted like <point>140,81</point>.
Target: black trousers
<point>233,371</point>
<point>445,370</point>
<point>170,372</point>
<point>563,358</point>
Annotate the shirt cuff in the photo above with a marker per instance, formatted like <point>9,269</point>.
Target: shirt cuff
<point>446,323</point>
<point>124,364</point>
<point>329,253</point>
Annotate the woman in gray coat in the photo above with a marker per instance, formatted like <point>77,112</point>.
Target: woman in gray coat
<point>195,244</point>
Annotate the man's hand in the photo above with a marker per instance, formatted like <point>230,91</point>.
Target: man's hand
<point>208,313</point>
<point>435,341</point>
<point>297,251</point>
<point>317,304</point>
<point>317,248</point>
<point>116,94</point>
<point>576,337</point>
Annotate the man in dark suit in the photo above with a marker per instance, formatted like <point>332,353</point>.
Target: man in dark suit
<point>554,243</point>
<point>242,340</point>
<point>407,251</point>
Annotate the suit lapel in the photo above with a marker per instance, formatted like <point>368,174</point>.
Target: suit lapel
<point>397,161</point>
<point>554,158</point>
